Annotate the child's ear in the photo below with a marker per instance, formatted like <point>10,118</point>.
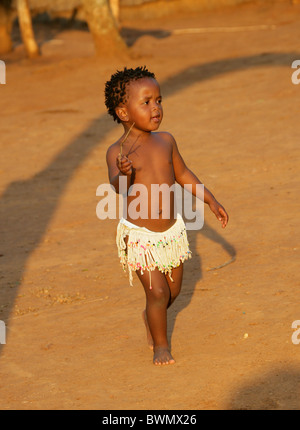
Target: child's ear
<point>121,111</point>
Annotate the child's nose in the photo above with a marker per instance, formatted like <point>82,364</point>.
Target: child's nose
<point>156,106</point>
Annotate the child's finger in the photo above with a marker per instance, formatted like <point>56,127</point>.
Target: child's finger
<point>118,160</point>
<point>126,168</point>
<point>127,171</point>
<point>123,162</point>
<point>123,159</point>
<point>223,217</point>
<point>124,165</point>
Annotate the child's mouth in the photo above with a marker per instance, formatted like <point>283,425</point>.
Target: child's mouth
<point>156,118</point>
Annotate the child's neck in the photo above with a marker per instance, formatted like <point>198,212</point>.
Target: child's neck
<point>136,134</point>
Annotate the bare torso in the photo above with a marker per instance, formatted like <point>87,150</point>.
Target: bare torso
<point>152,164</point>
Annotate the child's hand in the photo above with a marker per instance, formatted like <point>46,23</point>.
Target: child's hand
<point>220,212</point>
<point>124,165</point>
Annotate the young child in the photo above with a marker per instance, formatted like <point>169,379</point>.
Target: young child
<point>153,246</point>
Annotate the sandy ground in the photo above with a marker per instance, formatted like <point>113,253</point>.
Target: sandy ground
<point>75,337</point>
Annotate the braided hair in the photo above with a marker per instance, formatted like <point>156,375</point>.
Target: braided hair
<point>115,88</point>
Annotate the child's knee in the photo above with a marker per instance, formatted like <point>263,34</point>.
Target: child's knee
<point>159,294</point>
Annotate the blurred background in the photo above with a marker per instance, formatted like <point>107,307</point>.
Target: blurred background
<point>103,18</point>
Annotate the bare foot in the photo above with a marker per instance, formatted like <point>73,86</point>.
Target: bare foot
<point>162,356</point>
<point>149,336</point>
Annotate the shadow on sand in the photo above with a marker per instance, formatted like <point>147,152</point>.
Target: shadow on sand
<point>195,271</point>
<point>275,390</point>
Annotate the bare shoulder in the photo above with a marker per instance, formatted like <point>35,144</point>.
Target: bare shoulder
<point>167,138</point>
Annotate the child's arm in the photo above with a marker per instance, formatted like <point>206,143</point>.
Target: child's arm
<point>118,166</point>
<point>184,176</point>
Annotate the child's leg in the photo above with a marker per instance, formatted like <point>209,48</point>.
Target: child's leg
<point>175,286</point>
<point>157,300</point>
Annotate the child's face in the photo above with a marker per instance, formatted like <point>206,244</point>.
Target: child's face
<point>143,105</point>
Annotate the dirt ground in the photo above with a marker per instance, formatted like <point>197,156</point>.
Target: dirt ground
<point>75,337</point>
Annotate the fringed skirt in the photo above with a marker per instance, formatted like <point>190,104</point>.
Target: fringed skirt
<point>148,250</point>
